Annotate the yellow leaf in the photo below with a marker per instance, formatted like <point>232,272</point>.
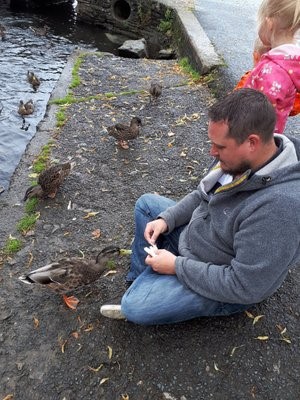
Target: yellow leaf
<point>234,349</point>
<point>36,322</point>
<point>217,368</point>
<point>110,352</point>
<point>124,396</point>
<point>257,318</point>
<point>287,340</point>
<point>95,369</point>
<point>170,134</point>
<point>9,397</point>
<point>262,338</point>
<point>33,175</point>
<point>63,346</point>
<point>109,273</point>
<point>249,314</point>
<point>103,380</point>
<point>89,328</point>
<point>90,214</point>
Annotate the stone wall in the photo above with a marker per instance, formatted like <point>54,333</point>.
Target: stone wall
<point>132,18</point>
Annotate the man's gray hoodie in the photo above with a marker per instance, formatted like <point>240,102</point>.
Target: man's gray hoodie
<point>239,244</point>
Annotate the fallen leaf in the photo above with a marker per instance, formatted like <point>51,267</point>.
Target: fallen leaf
<point>103,380</point>
<point>96,234</point>
<point>109,273</point>
<point>75,334</point>
<point>170,134</point>
<point>217,368</point>
<point>90,214</point>
<point>30,259</point>
<point>33,175</point>
<point>124,396</point>
<point>63,345</point>
<point>257,318</point>
<point>95,369</point>
<point>9,397</point>
<point>286,339</point>
<point>89,328</point>
<point>234,349</point>
<point>110,352</point>
<point>36,322</point>
<point>262,338</point>
<point>249,314</point>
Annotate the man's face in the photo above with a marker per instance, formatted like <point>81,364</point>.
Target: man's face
<point>233,157</point>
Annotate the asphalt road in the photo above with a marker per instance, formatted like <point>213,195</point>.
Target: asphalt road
<point>231,27</point>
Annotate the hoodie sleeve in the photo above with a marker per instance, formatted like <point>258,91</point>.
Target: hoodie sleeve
<point>265,247</point>
<point>181,213</point>
<point>274,81</point>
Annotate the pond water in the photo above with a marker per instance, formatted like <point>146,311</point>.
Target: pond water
<point>22,50</point>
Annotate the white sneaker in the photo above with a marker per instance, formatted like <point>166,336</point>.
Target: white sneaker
<point>112,311</point>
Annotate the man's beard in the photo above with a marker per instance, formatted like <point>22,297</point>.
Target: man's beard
<point>238,170</point>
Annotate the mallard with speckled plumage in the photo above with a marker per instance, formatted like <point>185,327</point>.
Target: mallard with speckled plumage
<point>49,181</point>
<point>123,132</point>
<point>155,91</point>
<point>68,274</point>
<point>33,80</point>
<point>26,108</point>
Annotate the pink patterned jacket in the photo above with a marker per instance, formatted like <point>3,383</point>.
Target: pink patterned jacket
<point>277,75</point>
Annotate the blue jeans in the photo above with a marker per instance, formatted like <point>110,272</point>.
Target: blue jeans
<point>162,299</point>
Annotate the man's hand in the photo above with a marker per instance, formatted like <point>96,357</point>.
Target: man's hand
<point>163,262</point>
<point>154,229</point>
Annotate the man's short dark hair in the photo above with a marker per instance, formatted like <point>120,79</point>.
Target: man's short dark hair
<point>246,111</point>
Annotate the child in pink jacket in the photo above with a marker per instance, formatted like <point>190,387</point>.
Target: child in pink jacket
<point>277,74</point>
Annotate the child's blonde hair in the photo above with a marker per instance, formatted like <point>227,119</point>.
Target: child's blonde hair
<point>259,47</point>
<point>285,12</point>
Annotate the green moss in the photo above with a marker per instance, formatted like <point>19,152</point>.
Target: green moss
<point>188,69</point>
<point>31,205</point>
<point>61,117</point>
<point>75,72</point>
<point>12,246</point>
<point>41,161</point>
<point>111,264</point>
<point>27,222</point>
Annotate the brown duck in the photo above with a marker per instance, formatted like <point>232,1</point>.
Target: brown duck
<point>155,91</point>
<point>123,132</point>
<point>68,274</point>
<point>49,181</point>
<point>26,108</point>
<point>41,31</point>
<point>33,80</point>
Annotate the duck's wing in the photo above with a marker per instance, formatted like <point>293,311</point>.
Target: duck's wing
<point>51,178</point>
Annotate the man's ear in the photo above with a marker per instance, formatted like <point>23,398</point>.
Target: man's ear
<point>254,141</point>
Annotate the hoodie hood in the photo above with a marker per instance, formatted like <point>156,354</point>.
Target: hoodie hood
<point>284,167</point>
